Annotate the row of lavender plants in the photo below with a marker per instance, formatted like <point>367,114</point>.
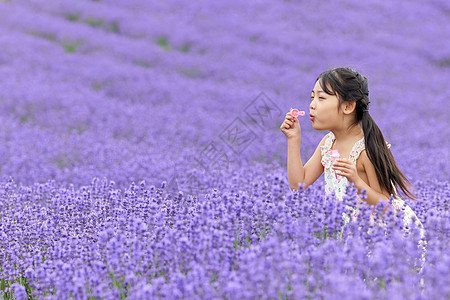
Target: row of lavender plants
<point>144,242</point>
<point>82,97</point>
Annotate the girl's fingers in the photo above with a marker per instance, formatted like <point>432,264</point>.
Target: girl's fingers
<point>339,172</point>
<point>343,163</point>
<point>341,168</point>
<point>288,116</point>
<point>342,171</point>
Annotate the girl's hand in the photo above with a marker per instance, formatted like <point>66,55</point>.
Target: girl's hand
<point>347,168</point>
<point>291,127</point>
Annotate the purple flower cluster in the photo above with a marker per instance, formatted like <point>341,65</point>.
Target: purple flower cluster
<point>185,98</point>
<point>135,91</point>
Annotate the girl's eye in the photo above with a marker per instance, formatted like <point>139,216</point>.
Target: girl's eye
<point>321,97</point>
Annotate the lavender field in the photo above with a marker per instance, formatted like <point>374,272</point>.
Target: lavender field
<point>141,155</point>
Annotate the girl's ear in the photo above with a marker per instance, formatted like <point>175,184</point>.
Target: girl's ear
<point>348,107</point>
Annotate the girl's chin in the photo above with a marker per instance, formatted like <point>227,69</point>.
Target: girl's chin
<point>316,127</point>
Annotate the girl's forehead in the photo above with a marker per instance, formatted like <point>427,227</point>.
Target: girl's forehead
<point>318,86</point>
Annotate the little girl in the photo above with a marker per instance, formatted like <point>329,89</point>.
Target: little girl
<point>340,104</point>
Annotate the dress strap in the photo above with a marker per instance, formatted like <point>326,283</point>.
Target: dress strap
<point>325,149</point>
<point>328,141</point>
<point>358,147</point>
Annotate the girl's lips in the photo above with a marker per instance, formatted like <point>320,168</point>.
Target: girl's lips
<point>311,117</point>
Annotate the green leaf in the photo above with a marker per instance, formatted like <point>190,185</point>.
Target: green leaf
<point>73,17</point>
<point>163,43</point>
<point>71,47</point>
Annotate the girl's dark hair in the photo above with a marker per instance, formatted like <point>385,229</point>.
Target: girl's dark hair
<point>349,85</point>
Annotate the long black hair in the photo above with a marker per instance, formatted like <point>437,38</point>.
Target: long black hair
<point>349,85</point>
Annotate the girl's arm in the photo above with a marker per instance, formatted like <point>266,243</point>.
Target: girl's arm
<point>374,192</point>
<point>297,173</point>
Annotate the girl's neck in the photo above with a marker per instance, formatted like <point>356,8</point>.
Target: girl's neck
<point>348,133</point>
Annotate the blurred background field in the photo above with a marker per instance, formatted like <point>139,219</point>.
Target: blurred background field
<point>141,155</point>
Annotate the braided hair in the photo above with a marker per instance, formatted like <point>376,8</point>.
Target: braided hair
<point>349,85</point>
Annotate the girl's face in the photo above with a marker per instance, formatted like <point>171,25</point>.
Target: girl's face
<point>324,110</point>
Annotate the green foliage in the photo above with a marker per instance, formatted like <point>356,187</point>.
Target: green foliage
<point>96,86</point>
<point>119,284</point>
<point>24,119</point>
<point>73,17</point>
<point>192,72</point>
<point>143,63</point>
<point>94,22</point>
<point>113,27</point>
<point>6,285</point>
<point>163,43</point>
<point>47,36</point>
<point>254,39</point>
<point>71,47</point>
<point>325,234</point>
<point>185,48</point>
<point>445,63</point>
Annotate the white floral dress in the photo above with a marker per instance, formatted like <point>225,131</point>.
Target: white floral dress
<point>338,187</point>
